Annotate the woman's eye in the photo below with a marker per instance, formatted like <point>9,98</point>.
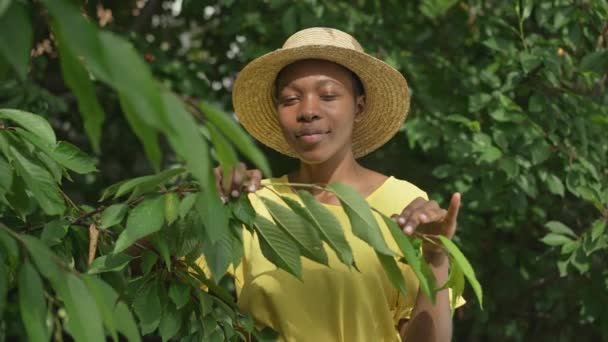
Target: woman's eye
<point>329,97</point>
<point>288,100</point>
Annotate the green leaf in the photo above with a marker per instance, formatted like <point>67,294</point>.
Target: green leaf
<point>133,80</point>
<point>362,220</point>
<point>32,303</point>
<point>393,272</point>
<point>147,307</point>
<point>15,20</point>
<point>85,322</point>
<point>105,297</point>
<point>553,239</point>
<point>40,183</point>
<point>277,247</point>
<point>596,61</point>
<point>186,205</point>
<point>187,140</point>
<point>6,176</point>
<point>560,228</point>
<point>325,222</point>
<point>170,322</point>
<point>148,260</point>
<point>597,229</point>
<point>31,122</point>
<point>109,263</point>
<point>463,263</point>
<point>436,8</point>
<point>73,158</point>
<point>171,207</point>
<point>236,134</point>
<point>162,246</point>
<point>219,255</point>
<point>413,259</point>
<point>455,282</point>
<point>4,4</point>
<point>243,210</point>
<point>555,185</point>
<point>81,35</point>
<point>125,323</point>
<point>54,231</point>
<point>541,151</point>
<point>146,218</point>
<point>224,152</point>
<point>299,229</point>
<point>144,184</point>
<point>4,270</point>
<point>43,258</point>
<point>113,215</point>
<point>212,212</point>
<point>147,135</point>
<point>179,294</point>
<point>77,77</point>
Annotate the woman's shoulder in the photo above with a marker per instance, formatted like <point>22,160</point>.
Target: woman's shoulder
<point>394,195</point>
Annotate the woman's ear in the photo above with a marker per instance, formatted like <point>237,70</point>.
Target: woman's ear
<point>359,108</point>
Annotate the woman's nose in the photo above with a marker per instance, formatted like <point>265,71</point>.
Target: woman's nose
<point>309,110</point>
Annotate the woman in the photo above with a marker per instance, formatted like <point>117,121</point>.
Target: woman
<point>322,100</point>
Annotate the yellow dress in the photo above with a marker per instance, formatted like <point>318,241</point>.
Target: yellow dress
<point>332,303</point>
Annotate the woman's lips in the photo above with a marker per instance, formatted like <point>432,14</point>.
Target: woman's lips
<point>311,137</point>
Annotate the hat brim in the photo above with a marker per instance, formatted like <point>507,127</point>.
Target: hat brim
<point>386,94</point>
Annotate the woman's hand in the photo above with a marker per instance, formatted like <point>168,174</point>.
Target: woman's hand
<point>427,217</point>
<point>240,180</point>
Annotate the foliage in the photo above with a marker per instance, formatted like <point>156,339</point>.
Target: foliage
<point>509,107</point>
<point>129,266</point>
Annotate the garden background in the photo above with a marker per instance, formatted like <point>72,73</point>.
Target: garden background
<point>509,107</point>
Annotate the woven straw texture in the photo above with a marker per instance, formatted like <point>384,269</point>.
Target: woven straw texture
<point>386,92</point>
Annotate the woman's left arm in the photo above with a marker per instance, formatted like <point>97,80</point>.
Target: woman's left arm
<point>430,322</point>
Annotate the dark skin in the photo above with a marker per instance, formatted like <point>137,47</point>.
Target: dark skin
<point>317,108</point>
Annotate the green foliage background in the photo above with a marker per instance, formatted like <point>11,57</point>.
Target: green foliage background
<point>509,107</point>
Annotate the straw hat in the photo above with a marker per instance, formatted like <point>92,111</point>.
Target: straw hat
<point>386,93</point>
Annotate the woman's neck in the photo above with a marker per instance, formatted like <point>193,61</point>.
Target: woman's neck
<point>347,170</point>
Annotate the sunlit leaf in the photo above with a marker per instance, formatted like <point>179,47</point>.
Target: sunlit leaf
<point>560,228</point>
<point>171,207</point>
<point>73,158</point>
<point>553,239</point>
<point>362,220</point>
<point>465,266</point>
<point>31,122</point>
<point>414,260</point>
<point>299,229</point>
<point>325,222</point>
<point>277,247</point>
<point>392,271</point>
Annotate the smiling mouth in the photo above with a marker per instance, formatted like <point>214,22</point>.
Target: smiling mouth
<point>312,133</point>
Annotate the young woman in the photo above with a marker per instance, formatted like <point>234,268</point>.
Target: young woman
<point>321,99</point>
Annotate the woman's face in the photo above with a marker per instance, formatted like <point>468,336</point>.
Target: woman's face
<point>317,109</point>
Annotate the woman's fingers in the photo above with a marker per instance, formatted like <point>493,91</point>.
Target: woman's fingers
<point>238,177</point>
<point>254,180</point>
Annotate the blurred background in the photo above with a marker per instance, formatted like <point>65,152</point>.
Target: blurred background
<point>509,107</point>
